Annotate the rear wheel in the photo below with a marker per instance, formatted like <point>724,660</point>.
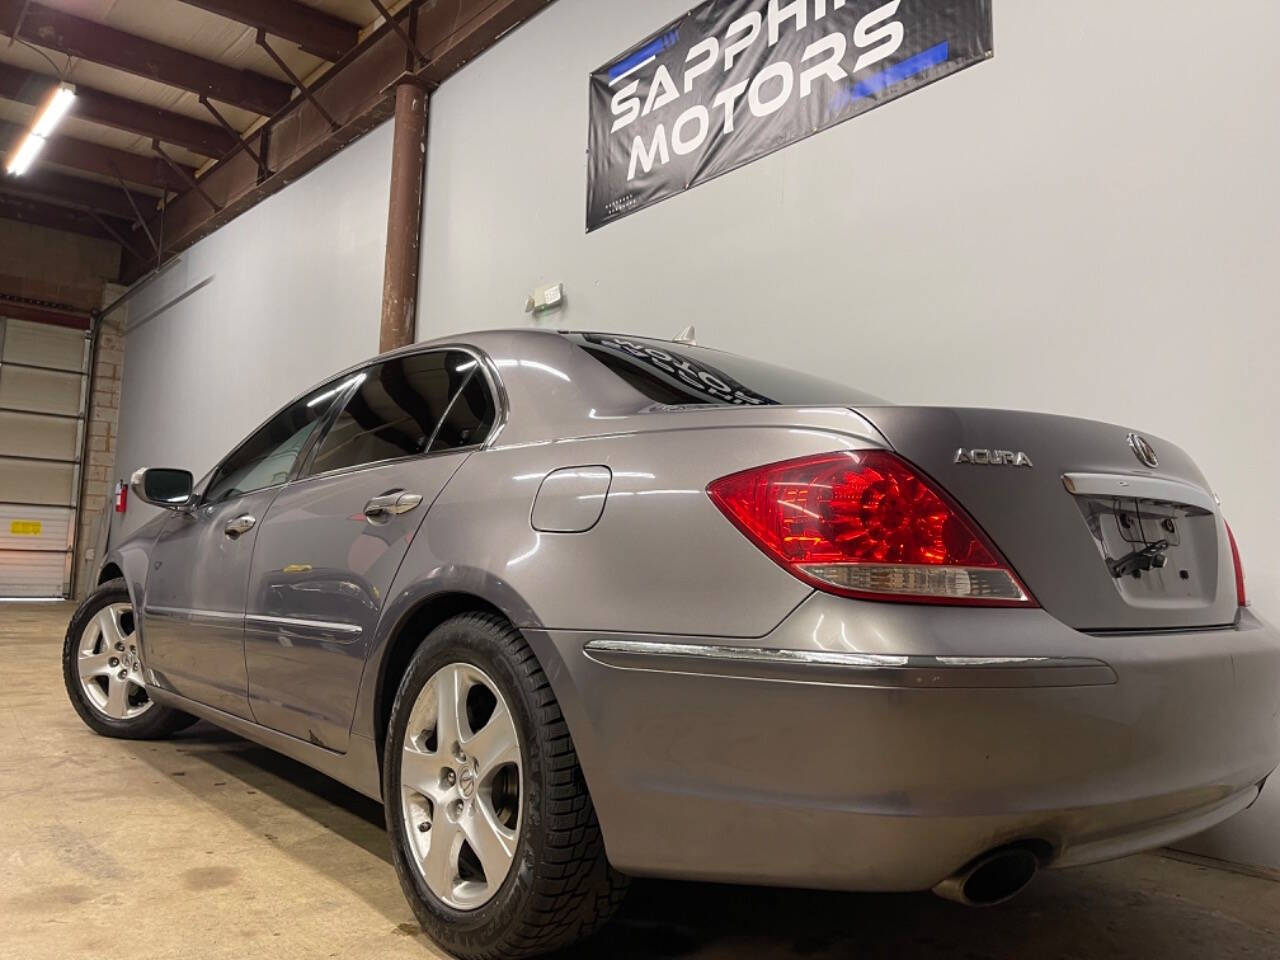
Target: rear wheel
<point>493,833</point>
<point>102,670</point>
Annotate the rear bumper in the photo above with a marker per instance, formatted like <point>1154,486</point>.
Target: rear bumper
<point>892,744</point>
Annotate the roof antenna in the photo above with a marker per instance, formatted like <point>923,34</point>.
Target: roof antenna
<point>686,336</point>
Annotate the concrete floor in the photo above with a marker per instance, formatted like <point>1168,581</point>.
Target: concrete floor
<point>207,846</point>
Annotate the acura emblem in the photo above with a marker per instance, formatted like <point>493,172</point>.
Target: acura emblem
<point>993,458</point>
<point>1143,450</point>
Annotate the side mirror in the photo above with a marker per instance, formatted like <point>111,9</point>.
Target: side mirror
<point>163,487</point>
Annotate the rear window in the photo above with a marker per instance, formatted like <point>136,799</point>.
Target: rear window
<point>676,374</point>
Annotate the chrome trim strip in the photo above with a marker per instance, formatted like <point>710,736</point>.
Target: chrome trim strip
<point>1134,487</point>
<point>1160,631</point>
<point>258,619</point>
<point>328,626</point>
<point>750,654</point>
<point>181,613</point>
<point>856,669</point>
<point>374,464</point>
<point>1003,661</point>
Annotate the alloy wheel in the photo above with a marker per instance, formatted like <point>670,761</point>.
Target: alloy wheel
<point>461,774</point>
<point>108,665</point>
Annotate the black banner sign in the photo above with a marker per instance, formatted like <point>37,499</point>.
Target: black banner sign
<point>734,80</point>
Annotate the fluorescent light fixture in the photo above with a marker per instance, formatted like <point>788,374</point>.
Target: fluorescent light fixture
<point>25,155</point>
<point>64,95</point>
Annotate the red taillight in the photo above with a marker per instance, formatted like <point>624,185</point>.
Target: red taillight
<point>1241,599</point>
<point>865,523</point>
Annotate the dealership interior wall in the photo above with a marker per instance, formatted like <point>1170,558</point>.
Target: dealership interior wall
<point>246,319</point>
<point>1080,225</point>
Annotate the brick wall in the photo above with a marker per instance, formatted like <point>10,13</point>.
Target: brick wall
<point>100,456</point>
<point>54,266</point>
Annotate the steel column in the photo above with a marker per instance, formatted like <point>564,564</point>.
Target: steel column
<point>404,216</point>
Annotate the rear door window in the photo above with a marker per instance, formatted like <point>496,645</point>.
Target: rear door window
<point>470,416</point>
<point>397,411</point>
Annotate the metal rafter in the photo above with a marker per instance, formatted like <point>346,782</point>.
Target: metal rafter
<point>315,31</point>
<point>192,182</point>
<point>297,81</point>
<point>17,21</point>
<point>404,34</point>
<point>115,234</point>
<point>357,96</point>
<point>241,143</point>
<point>24,86</point>
<point>64,151</point>
<point>140,219</point>
<point>50,186</point>
<point>41,214</point>
<point>99,43</point>
<point>264,152</point>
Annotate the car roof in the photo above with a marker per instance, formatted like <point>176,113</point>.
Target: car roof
<point>524,359</point>
<point>508,338</point>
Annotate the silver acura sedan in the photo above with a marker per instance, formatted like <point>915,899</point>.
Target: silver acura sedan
<point>579,606</point>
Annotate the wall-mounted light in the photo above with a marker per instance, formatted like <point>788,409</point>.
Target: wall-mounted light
<point>55,108</point>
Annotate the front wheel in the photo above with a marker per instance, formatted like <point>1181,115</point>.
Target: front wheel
<point>102,670</point>
<point>493,833</point>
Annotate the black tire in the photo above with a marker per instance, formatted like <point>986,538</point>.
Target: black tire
<point>156,722</point>
<point>560,888</point>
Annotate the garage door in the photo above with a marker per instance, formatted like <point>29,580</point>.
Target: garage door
<point>42,402</point>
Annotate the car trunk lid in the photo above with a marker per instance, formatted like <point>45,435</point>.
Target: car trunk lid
<point>1103,540</point>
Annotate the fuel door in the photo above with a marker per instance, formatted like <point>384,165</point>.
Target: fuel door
<point>571,499</point>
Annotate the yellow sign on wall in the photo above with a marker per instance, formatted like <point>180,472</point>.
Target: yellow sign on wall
<point>25,528</point>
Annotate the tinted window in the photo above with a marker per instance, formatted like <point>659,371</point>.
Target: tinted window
<point>267,457</point>
<point>677,374</point>
<point>470,416</point>
<point>395,410</point>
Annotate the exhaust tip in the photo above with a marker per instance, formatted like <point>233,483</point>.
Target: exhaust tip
<point>991,879</point>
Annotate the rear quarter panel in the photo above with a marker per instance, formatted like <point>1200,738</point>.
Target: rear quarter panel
<point>661,560</point>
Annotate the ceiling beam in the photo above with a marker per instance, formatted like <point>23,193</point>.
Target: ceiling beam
<point>315,31</point>
<point>63,151</point>
<point>36,213</point>
<point>358,94</point>
<point>109,110</point>
<point>450,35</point>
<point>50,186</point>
<point>99,43</point>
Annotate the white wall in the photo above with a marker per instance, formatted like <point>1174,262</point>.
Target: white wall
<point>292,292</point>
<point>1085,224</point>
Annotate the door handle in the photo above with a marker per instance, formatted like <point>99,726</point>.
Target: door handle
<point>240,525</point>
<point>383,508</point>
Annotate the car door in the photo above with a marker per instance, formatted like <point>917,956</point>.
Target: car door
<point>193,614</point>
<point>333,539</point>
